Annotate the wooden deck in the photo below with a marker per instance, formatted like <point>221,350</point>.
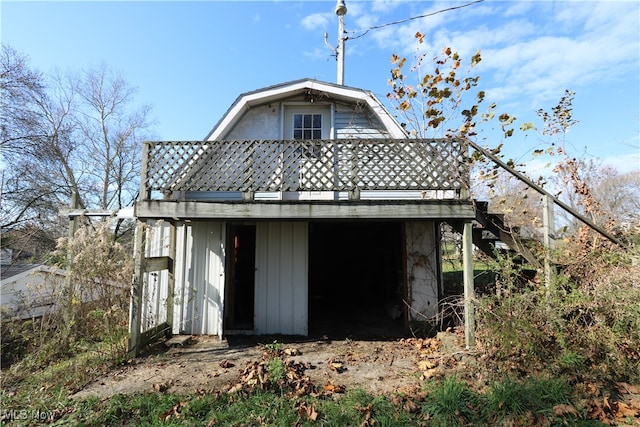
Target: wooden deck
<point>306,179</point>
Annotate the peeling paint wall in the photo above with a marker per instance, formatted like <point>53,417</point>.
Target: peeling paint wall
<point>422,270</point>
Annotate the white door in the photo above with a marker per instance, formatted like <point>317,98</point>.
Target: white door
<point>200,298</point>
<point>281,283</point>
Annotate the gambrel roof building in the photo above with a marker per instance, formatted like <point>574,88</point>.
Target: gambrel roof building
<point>305,207</point>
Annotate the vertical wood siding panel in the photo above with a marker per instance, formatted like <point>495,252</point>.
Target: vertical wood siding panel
<point>197,266</point>
<point>214,282</point>
<point>217,279</point>
<point>208,290</point>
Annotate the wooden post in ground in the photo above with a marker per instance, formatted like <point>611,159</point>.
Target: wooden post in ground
<point>69,312</point>
<point>548,237</point>
<point>469,294</point>
<point>171,279</point>
<point>137,285</point>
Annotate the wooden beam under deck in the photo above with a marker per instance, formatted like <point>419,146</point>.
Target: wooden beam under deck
<point>163,209</point>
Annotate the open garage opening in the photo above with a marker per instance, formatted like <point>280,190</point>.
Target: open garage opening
<point>356,279</point>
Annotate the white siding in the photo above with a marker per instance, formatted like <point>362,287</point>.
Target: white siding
<point>184,242</point>
<point>422,272</point>
<point>349,124</point>
<point>154,292</point>
<point>200,279</point>
<point>281,278</point>
<point>35,292</point>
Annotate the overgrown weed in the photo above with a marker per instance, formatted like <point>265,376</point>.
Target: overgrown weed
<point>46,358</point>
<point>586,327</point>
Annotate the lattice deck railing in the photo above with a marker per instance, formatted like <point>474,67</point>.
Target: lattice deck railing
<point>304,165</point>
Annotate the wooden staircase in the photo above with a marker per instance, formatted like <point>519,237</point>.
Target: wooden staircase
<point>490,229</point>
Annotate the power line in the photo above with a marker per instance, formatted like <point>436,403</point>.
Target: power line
<point>375,27</point>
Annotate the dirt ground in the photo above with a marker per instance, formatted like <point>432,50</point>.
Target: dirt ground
<point>205,363</point>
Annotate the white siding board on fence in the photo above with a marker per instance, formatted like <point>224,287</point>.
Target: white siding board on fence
<point>154,292</point>
<point>281,278</point>
<point>184,241</point>
<point>422,271</point>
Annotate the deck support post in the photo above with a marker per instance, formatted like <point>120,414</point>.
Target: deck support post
<point>469,294</point>
<point>137,285</point>
<point>171,279</point>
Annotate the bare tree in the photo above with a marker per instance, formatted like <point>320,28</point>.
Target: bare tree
<point>73,132</point>
<point>110,130</point>
<point>614,197</point>
<point>19,87</point>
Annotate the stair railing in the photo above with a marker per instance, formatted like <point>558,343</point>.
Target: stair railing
<point>544,192</point>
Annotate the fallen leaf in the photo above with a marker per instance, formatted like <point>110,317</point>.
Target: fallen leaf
<point>562,410</point>
<point>336,366</point>
<point>332,388</point>
<point>430,373</point>
<point>410,406</point>
<point>292,351</point>
<point>623,411</point>
<point>423,365</point>
<point>628,388</point>
<point>309,413</point>
<point>236,388</point>
<point>173,412</point>
<point>161,387</point>
<point>225,364</point>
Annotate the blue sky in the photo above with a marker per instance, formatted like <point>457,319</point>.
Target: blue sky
<point>190,60</point>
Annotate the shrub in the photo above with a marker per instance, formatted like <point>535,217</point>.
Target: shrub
<point>587,327</point>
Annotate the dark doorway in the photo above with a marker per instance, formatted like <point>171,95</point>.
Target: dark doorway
<point>241,265</point>
<point>356,279</point>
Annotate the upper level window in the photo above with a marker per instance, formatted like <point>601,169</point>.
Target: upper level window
<point>307,126</point>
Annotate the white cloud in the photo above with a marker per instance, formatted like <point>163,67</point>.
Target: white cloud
<point>519,8</point>
<point>624,163</point>
<point>385,6</point>
<point>317,21</point>
<point>578,44</point>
